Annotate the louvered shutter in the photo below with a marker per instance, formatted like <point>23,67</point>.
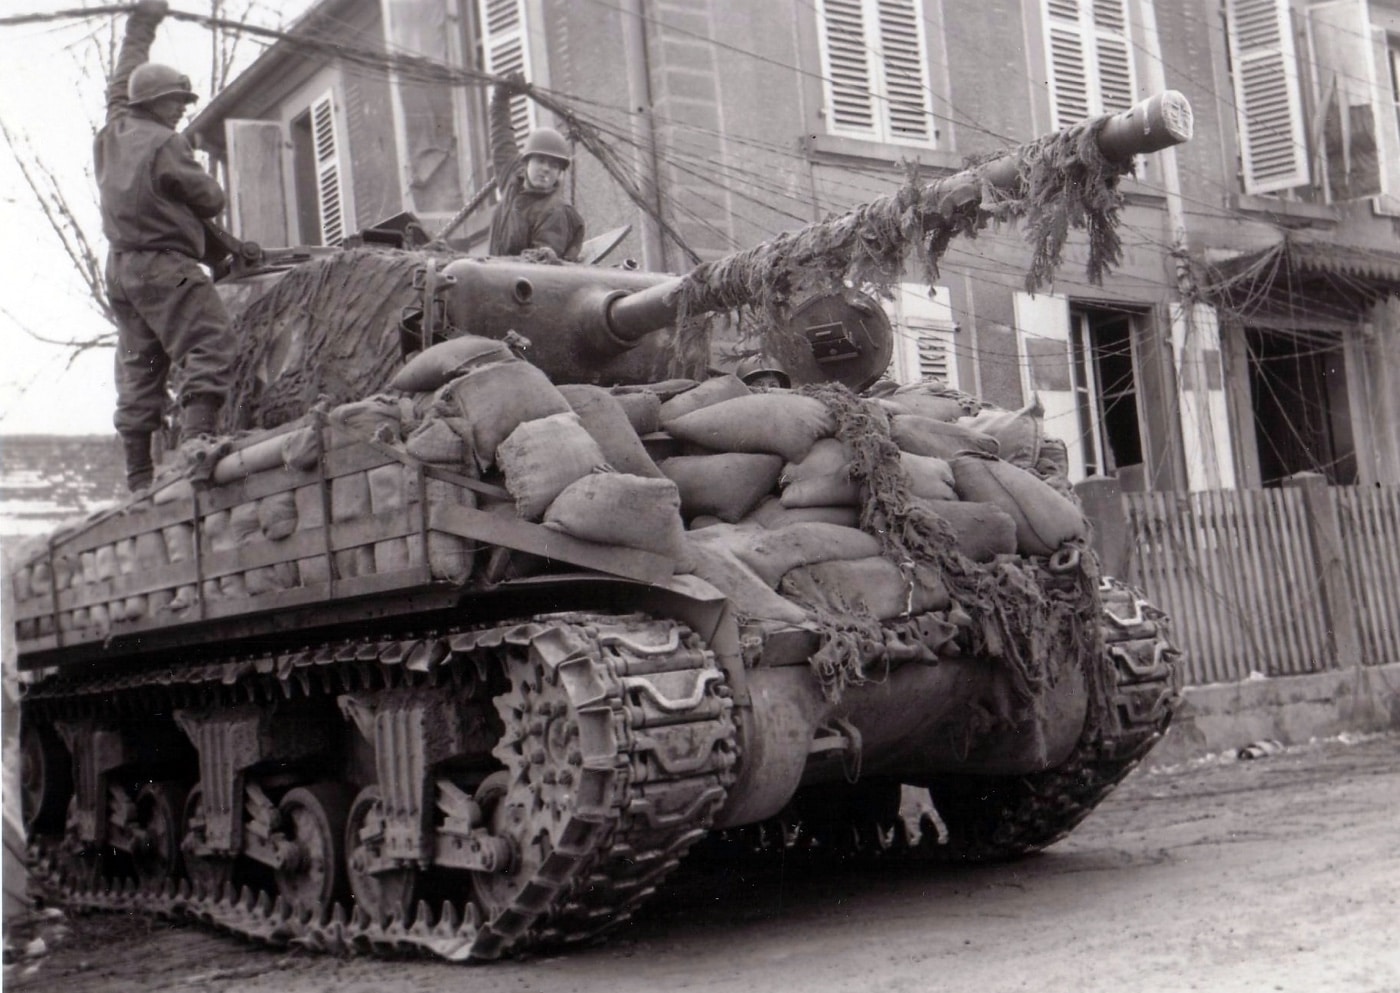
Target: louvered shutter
<point>875,70</point>
<point>902,66</point>
<point>1268,105</point>
<point>1089,58</point>
<point>504,49</point>
<point>330,200</point>
<point>925,332</point>
<point>1114,56</point>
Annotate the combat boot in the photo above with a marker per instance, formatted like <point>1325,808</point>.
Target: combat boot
<point>140,470</point>
<point>199,417</point>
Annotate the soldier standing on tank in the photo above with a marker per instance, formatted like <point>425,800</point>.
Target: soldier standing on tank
<point>153,195</point>
<point>532,213</point>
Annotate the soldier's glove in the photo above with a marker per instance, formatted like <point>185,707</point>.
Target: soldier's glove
<point>151,10</point>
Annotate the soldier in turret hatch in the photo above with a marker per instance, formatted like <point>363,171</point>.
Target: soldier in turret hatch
<point>154,195</point>
<point>532,215</point>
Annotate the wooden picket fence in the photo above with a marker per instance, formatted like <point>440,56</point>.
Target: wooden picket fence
<point>1275,581</point>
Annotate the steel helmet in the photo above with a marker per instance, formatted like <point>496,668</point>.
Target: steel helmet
<point>758,365</point>
<point>152,81</point>
<point>549,143</point>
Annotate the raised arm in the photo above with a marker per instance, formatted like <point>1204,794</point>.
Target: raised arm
<point>136,50</point>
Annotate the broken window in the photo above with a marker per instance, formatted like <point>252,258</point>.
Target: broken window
<point>1298,387</point>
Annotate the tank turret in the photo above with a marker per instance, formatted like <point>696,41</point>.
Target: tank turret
<point>595,324</point>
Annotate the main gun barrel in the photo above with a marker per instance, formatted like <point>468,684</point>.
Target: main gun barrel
<point>1154,124</point>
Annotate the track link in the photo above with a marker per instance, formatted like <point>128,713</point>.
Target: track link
<point>656,747</point>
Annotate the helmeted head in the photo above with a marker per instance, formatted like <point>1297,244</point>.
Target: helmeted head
<point>161,91</point>
<point>761,372</point>
<point>546,155</point>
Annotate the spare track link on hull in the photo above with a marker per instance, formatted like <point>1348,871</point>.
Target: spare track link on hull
<point>649,734</point>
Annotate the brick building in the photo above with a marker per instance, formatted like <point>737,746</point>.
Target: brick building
<point>1250,332</point>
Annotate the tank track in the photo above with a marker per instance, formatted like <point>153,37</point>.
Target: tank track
<point>655,759</point>
<point>990,818</point>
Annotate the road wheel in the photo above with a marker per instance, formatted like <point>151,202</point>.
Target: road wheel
<point>313,819</point>
<point>385,895</point>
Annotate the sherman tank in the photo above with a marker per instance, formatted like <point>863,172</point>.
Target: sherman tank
<point>487,614</point>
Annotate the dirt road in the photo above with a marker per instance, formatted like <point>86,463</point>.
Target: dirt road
<point>1279,874</point>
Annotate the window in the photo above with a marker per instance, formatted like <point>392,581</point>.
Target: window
<point>1268,107</point>
<point>924,332</point>
<point>875,70</point>
<point>317,174</point>
<point>1298,385</point>
<point>1105,388</point>
<point>504,48</point>
<point>1090,60</point>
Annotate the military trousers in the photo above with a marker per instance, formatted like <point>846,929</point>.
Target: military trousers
<point>167,313</point>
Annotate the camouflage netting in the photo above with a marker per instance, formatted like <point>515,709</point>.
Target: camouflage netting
<point>1013,617</point>
<point>327,328</point>
<point>1064,183</point>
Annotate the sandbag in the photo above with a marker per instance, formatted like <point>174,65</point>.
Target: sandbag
<point>277,515</point>
<point>643,409</point>
<point>716,563</point>
<point>875,583</point>
<point>665,389</point>
<point>620,509</point>
<point>926,400</point>
<point>245,529</point>
<point>543,456</point>
<point>374,417</point>
<point>606,421</point>
<point>450,557</point>
<point>836,489</point>
<point>350,501</point>
<point>497,399</point>
<point>106,563</point>
<point>388,492</point>
<point>441,440</point>
<point>826,456</point>
<point>925,436</point>
<point>315,569</point>
<point>727,486</point>
<point>771,514</point>
<point>437,364</point>
<point>771,554</point>
<point>708,393</point>
<point>1018,432</point>
<point>929,477</point>
<point>216,537</point>
<point>1045,520</point>
<point>983,530</point>
<point>784,424</point>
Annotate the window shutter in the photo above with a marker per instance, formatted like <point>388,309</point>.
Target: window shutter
<point>1043,350</point>
<point>903,67</point>
<point>1385,56</point>
<point>850,101</point>
<point>329,192</point>
<point>925,332</point>
<point>1267,101</point>
<point>1089,57</point>
<point>1115,58</point>
<point>257,204</point>
<point>1344,85</point>
<point>504,50</point>
<point>874,67</point>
